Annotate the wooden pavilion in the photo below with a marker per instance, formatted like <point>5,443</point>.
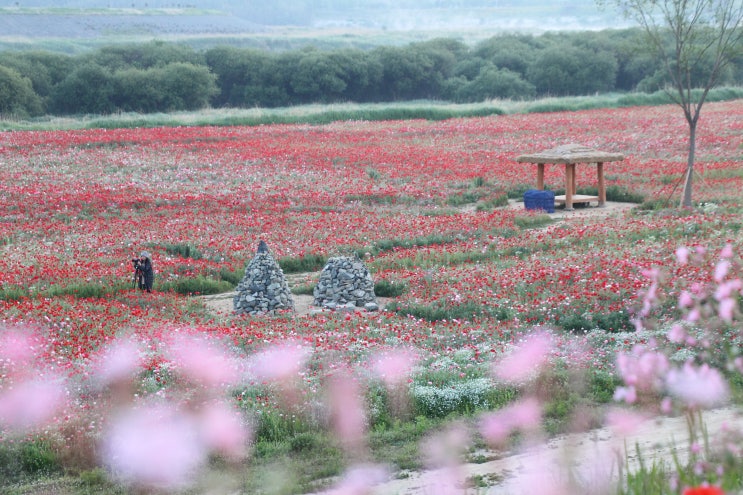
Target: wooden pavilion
<point>570,155</point>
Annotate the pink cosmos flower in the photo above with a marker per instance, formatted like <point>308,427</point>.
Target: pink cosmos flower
<point>347,410</point>
<point>445,447</point>
<point>394,366</point>
<point>727,251</point>
<point>726,309</point>
<point>118,362</point>
<point>676,333</point>
<point>685,300</point>
<point>701,386</point>
<point>154,446</point>
<point>525,360</point>
<point>279,362</point>
<point>203,361</point>
<point>626,394</point>
<point>31,404</point>
<point>624,422</point>
<point>721,270</point>
<point>693,315</point>
<point>728,289</point>
<point>224,430</point>
<point>642,368</point>
<point>523,415</point>
<point>17,346</point>
<point>682,255</point>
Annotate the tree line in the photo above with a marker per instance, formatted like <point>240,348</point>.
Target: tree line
<point>163,77</point>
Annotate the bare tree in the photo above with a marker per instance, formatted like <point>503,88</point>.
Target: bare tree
<point>695,40</point>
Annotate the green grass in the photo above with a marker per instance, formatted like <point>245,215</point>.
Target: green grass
<point>194,286</point>
<point>301,264</point>
<point>440,311</point>
<point>322,114</point>
<point>389,288</point>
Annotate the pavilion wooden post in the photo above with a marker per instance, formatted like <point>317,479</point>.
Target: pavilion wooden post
<point>602,184</point>
<point>569,185</point>
<point>540,176</point>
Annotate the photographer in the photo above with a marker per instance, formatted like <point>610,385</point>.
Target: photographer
<point>143,273</point>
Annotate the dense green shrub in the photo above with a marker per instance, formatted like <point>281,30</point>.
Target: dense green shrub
<point>195,285</point>
<point>304,263</point>
<point>389,288</point>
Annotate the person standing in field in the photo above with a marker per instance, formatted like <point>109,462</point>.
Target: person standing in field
<point>147,274</point>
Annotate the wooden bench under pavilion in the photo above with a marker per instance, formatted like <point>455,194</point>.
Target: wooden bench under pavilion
<point>570,155</point>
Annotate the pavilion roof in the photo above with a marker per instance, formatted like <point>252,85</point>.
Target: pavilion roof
<point>571,153</point>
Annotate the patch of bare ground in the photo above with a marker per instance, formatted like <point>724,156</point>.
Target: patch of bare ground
<point>593,460</point>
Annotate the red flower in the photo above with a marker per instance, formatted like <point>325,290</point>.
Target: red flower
<point>704,490</point>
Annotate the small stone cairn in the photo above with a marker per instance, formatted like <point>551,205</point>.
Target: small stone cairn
<point>263,289</point>
<point>345,284</point>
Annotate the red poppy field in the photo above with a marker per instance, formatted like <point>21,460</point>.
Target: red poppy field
<point>416,197</point>
<point>78,205</point>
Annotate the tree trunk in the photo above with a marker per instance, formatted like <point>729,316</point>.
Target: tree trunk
<point>686,198</point>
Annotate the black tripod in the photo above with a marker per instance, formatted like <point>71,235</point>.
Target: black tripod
<point>138,275</point>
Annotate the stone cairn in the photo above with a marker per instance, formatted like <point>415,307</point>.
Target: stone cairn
<point>345,284</point>
<point>263,289</point>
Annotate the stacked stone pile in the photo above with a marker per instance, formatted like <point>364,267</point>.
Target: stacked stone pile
<point>345,283</point>
<point>263,289</point>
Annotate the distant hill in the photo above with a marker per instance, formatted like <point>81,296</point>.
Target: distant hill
<point>283,24</point>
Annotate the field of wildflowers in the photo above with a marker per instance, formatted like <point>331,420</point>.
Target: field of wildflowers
<point>506,328</point>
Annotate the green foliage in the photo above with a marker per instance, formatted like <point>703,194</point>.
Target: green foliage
<point>397,443</point>
<point>88,89</point>
<point>38,457</point>
<point>278,426</point>
<point>234,277</point>
<point>304,263</point>
<point>490,83</point>
<point>183,250</point>
<point>157,77</point>
<point>389,288</point>
<point>565,70</point>
<point>13,293</point>
<point>84,290</point>
<point>496,202</point>
<point>517,191</point>
<point>555,383</point>
<point>616,321</point>
<point>306,289</point>
<point>615,193</point>
<point>390,244</point>
<point>199,285</point>
<point>601,385</point>
<point>533,221</point>
<point>463,198</point>
<point>17,96</point>
<point>439,311</point>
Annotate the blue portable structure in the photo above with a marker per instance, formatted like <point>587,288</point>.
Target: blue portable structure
<point>537,199</point>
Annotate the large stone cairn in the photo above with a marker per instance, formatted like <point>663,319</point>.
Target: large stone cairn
<point>263,289</point>
<point>345,283</point>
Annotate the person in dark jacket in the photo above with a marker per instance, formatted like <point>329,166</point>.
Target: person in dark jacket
<point>146,274</point>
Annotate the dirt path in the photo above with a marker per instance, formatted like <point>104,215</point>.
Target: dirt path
<point>593,458</point>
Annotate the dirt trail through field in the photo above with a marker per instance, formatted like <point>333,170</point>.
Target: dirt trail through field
<point>594,459</point>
